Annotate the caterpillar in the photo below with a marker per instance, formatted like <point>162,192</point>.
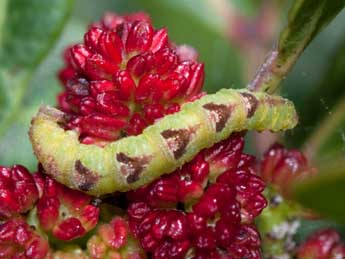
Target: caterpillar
<point>131,162</point>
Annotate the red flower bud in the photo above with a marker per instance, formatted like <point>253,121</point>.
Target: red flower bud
<point>282,167</point>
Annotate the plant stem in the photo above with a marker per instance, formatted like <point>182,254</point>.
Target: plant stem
<point>265,79</point>
<point>272,72</point>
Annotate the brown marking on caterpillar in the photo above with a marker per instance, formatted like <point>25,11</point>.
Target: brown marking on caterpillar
<point>86,179</point>
<point>132,167</point>
<point>178,140</point>
<point>251,103</point>
<point>219,113</point>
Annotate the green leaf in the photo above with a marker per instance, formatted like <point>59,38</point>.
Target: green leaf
<point>306,19</point>
<point>30,29</point>
<point>28,32</point>
<point>324,192</point>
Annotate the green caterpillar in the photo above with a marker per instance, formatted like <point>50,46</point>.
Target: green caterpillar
<point>134,161</point>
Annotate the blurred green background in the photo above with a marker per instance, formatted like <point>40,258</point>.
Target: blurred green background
<point>232,37</point>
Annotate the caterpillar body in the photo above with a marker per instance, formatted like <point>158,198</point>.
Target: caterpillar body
<point>134,161</point>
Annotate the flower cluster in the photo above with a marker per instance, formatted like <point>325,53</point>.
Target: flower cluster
<point>124,77</point>
<point>185,214</point>
<point>63,213</point>
<point>205,209</point>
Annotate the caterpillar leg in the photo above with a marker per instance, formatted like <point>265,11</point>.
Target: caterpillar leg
<point>134,161</point>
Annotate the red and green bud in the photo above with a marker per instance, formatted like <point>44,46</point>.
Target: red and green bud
<point>114,241</point>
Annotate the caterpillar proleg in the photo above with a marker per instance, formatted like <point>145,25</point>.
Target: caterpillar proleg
<point>134,161</point>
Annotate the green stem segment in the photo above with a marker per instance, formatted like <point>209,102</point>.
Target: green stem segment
<point>134,161</point>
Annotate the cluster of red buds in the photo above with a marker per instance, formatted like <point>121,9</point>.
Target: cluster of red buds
<point>186,215</point>
<point>124,77</point>
<point>59,211</point>
<point>205,209</point>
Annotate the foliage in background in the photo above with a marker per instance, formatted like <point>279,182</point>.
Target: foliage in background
<point>28,33</point>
